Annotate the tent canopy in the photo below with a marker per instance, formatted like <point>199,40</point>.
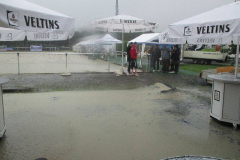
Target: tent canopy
<point>105,40</point>
<point>164,38</point>
<point>146,38</point>
<point>26,16</point>
<point>218,26</point>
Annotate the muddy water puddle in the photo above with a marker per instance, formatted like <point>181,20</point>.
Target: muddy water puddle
<point>144,123</point>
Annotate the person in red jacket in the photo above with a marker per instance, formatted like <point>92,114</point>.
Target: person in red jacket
<point>133,54</point>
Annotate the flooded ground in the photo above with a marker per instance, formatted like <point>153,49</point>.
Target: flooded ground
<point>150,122</point>
<point>96,115</point>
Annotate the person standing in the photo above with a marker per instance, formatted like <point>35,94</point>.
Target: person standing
<point>133,54</point>
<point>156,57</point>
<point>129,56</point>
<point>175,59</point>
<point>165,59</point>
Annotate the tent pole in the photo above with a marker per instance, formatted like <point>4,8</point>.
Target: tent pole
<point>18,64</point>
<point>122,42</point>
<point>182,46</point>
<point>237,58</point>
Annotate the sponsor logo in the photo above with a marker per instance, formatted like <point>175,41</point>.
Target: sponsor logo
<point>206,40</point>
<point>45,35</point>
<point>55,35</point>
<point>41,35</point>
<point>41,23</point>
<point>140,30</point>
<point>12,18</point>
<point>36,48</point>
<point>130,21</point>
<point>217,95</point>
<point>225,28</point>
<point>165,38</point>
<point>9,36</point>
<point>209,40</point>
<point>35,22</point>
<point>117,30</point>
<point>3,48</point>
<point>101,22</point>
<point>187,31</point>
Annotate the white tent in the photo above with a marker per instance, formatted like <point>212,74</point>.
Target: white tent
<point>218,26</point>
<point>146,38</point>
<point>124,24</point>
<point>8,34</point>
<point>26,16</point>
<point>164,38</point>
<point>107,40</point>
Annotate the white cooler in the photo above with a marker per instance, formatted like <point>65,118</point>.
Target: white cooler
<point>226,98</point>
<point>2,119</point>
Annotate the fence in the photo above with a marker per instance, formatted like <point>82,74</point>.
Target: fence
<point>54,48</point>
<point>59,62</point>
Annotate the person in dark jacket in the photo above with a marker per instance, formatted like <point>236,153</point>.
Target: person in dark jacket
<point>156,57</point>
<point>129,56</point>
<point>165,59</point>
<point>175,59</point>
<point>151,56</point>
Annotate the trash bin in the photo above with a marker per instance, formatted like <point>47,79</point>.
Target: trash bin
<point>2,119</point>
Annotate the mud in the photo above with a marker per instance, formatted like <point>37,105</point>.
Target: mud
<point>101,116</point>
<point>100,81</point>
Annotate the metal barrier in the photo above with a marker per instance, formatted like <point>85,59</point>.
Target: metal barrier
<point>114,58</point>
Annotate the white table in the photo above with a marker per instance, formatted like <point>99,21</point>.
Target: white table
<point>226,98</point>
<point>2,118</point>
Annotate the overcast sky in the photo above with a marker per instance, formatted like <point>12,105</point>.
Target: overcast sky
<point>163,12</point>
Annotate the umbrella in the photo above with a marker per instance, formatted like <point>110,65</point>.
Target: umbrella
<point>26,16</point>
<point>8,34</point>
<point>218,26</point>
<point>125,24</point>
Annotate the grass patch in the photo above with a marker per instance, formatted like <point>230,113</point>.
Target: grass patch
<point>198,68</point>
<point>208,50</point>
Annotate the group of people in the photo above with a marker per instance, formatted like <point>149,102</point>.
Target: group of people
<point>168,59</point>
<point>132,58</point>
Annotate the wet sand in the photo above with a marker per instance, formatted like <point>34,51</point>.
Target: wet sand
<point>141,124</point>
